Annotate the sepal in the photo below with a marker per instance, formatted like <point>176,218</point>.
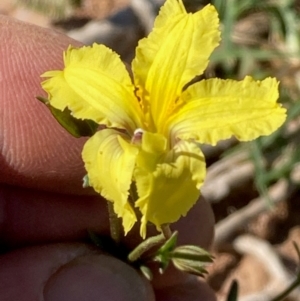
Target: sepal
<point>188,258</point>
<point>191,259</point>
<point>76,127</point>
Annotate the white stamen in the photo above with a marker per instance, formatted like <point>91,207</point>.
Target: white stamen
<point>137,136</point>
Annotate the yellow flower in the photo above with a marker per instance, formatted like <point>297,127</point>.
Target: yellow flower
<point>154,124</point>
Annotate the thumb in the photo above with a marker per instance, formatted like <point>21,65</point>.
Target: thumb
<point>69,272</point>
<point>35,151</point>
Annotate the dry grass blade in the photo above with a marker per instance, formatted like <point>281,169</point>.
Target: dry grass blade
<point>265,253</point>
<point>226,228</point>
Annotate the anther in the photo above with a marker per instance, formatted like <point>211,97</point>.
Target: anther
<point>137,136</point>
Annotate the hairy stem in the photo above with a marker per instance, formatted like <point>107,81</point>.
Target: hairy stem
<point>114,224</point>
<point>166,231</point>
<point>146,245</point>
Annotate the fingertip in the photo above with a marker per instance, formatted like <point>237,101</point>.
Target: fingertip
<point>97,277</point>
<point>35,150</point>
<point>69,272</point>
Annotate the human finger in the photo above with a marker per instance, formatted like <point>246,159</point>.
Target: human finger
<point>29,216</point>
<point>69,272</point>
<point>34,150</point>
<point>27,157</point>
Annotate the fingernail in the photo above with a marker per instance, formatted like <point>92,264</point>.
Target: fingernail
<point>96,278</point>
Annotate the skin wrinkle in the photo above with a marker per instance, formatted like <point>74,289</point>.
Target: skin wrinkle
<point>19,167</point>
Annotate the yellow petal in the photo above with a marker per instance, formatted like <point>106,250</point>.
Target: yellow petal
<point>95,85</point>
<point>109,160</point>
<point>170,187</point>
<point>153,147</point>
<point>175,52</point>
<point>216,109</point>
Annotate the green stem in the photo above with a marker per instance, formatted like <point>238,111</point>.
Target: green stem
<point>146,245</point>
<point>286,292</point>
<point>165,229</point>
<point>114,224</point>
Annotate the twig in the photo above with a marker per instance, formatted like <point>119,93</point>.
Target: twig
<point>265,253</point>
<point>262,250</point>
<point>221,178</point>
<point>226,228</point>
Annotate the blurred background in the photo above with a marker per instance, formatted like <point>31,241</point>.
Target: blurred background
<point>253,187</point>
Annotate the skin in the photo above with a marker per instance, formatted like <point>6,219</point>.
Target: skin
<point>44,212</point>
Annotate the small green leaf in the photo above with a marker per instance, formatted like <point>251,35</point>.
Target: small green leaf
<point>169,245</point>
<point>76,127</point>
<point>163,253</point>
<point>146,272</point>
<point>191,252</point>
<point>163,261</point>
<point>190,266</point>
<point>191,259</point>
